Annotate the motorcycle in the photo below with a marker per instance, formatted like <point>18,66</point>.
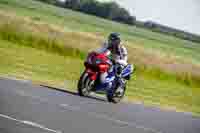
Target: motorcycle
<point>97,63</point>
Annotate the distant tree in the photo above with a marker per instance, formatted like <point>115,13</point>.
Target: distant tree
<point>73,4</point>
<point>90,7</point>
<point>108,10</point>
<point>113,10</point>
<point>131,20</point>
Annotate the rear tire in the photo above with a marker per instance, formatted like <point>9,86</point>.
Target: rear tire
<point>114,97</point>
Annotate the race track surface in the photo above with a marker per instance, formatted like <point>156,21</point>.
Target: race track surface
<point>28,108</point>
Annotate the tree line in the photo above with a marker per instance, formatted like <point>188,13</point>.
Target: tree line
<point>107,10</point>
<point>112,11</point>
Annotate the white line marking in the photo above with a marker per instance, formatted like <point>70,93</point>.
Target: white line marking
<point>124,123</point>
<point>102,116</point>
<point>30,124</point>
<point>73,108</point>
<point>16,79</point>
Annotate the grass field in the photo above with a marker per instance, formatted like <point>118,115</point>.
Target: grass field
<point>45,43</point>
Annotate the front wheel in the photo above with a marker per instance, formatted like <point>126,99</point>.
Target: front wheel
<point>85,85</point>
<point>116,95</point>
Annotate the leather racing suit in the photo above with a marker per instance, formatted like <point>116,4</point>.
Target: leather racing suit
<point>119,56</point>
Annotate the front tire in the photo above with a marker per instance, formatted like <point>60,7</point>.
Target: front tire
<point>81,83</point>
<point>85,85</point>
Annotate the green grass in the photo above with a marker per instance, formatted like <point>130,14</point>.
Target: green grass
<point>74,21</point>
<point>45,43</point>
<point>75,44</point>
<point>30,63</point>
<point>14,32</point>
<point>38,65</point>
<point>183,52</point>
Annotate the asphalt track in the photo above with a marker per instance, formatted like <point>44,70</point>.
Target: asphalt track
<point>28,108</point>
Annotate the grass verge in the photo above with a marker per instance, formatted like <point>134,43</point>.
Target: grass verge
<point>50,38</point>
<point>34,64</point>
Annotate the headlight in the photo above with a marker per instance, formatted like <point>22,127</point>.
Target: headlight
<point>98,61</point>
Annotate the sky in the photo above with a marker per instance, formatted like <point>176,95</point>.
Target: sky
<point>180,14</point>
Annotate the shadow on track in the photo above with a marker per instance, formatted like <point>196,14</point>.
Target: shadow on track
<point>74,93</point>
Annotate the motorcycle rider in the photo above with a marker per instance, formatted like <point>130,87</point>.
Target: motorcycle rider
<point>118,55</point>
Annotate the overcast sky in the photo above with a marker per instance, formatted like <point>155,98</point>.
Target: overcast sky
<point>181,14</point>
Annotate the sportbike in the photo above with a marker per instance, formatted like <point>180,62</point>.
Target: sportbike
<point>118,75</point>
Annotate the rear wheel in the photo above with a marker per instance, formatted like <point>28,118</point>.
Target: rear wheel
<point>116,95</point>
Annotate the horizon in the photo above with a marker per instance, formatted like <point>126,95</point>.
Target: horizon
<point>170,13</point>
